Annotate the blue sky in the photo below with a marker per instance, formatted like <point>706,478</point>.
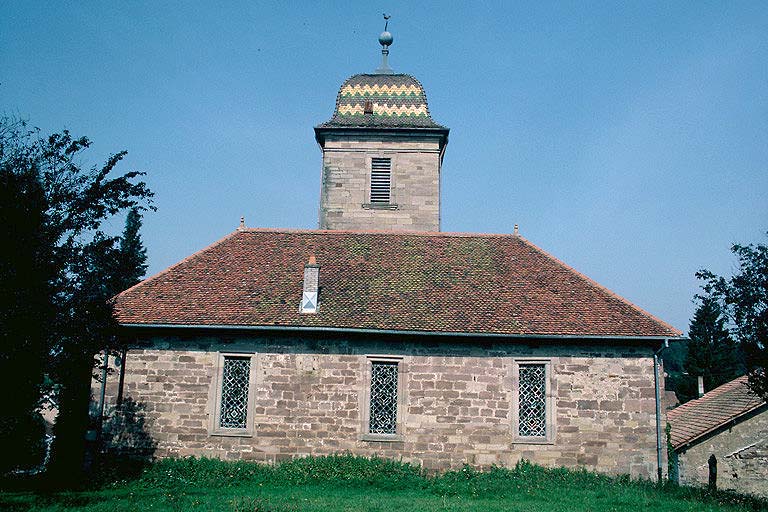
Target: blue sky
<point>630,140</point>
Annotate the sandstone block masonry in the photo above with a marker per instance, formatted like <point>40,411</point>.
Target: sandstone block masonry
<point>345,201</point>
<point>457,401</point>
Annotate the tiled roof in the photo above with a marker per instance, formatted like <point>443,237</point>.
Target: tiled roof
<point>433,282</point>
<point>715,409</point>
<point>398,101</point>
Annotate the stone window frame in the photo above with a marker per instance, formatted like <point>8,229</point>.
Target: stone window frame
<point>391,205</point>
<point>549,393</point>
<point>365,398</point>
<point>214,396</point>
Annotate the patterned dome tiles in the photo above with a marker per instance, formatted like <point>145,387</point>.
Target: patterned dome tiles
<point>396,101</point>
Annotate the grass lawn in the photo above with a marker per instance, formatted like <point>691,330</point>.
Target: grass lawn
<point>345,483</point>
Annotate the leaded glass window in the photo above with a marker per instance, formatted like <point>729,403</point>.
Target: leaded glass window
<point>532,398</point>
<point>383,413</point>
<point>235,381</point>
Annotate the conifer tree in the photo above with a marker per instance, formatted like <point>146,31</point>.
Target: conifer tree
<point>133,254</point>
<point>712,353</point>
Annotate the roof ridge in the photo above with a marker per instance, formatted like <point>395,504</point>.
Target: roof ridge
<point>457,234</point>
<point>709,395</point>
<point>185,260</point>
<point>599,286</point>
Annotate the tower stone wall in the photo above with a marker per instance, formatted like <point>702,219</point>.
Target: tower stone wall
<point>345,201</point>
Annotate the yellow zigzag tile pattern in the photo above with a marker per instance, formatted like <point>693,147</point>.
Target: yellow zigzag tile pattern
<point>388,110</point>
<point>380,89</point>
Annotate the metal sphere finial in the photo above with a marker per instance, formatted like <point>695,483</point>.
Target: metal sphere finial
<point>385,39</point>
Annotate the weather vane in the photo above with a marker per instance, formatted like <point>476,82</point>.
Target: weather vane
<point>385,39</point>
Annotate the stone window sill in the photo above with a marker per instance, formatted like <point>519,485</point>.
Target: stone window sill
<point>382,438</point>
<point>532,440</point>
<point>379,206</point>
<point>231,433</point>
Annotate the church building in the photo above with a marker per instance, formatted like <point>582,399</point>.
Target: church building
<point>379,334</point>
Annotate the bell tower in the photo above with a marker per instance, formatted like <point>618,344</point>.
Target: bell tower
<point>382,154</point>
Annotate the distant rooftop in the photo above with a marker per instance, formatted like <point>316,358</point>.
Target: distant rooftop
<point>715,409</point>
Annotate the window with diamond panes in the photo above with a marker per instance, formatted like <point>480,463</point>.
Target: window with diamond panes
<point>383,413</point>
<point>235,381</point>
<point>532,398</point>
<point>381,180</point>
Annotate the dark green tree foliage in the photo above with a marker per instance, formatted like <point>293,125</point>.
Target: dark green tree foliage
<point>26,276</point>
<point>674,360</point>
<point>744,298</point>
<point>133,255</point>
<point>60,272</point>
<point>711,351</point>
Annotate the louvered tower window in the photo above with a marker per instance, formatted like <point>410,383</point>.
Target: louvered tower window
<point>381,180</point>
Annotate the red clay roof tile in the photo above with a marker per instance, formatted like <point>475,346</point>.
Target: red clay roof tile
<point>435,282</point>
<point>715,409</point>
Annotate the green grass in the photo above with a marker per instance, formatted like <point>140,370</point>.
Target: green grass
<point>344,482</point>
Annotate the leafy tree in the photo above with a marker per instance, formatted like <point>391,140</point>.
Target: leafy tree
<point>26,277</point>
<point>59,305</point>
<point>744,300</point>
<point>711,351</point>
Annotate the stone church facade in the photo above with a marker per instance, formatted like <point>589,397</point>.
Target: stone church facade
<point>380,335</point>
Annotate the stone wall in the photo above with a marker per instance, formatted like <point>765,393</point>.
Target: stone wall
<point>457,401</point>
<point>345,201</point>
<point>742,457</point>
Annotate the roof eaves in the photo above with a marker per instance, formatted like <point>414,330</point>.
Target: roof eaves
<point>402,332</point>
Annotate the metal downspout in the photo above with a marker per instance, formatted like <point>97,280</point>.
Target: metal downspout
<point>657,382</point>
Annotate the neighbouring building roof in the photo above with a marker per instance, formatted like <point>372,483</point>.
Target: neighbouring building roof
<point>429,282</point>
<point>397,100</point>
<point>715,409</point>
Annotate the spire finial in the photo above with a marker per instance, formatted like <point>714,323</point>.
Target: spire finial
<point>385,39</point>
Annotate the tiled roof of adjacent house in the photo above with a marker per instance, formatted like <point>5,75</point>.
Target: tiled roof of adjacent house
<point>430,282</point>
<point>398,101</point>
<point>715,409</point>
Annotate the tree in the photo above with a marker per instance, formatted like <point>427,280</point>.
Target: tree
<point>744,300</point>
<point>133,255</point>
<point>711,351</point>
<point>26,277</point>
<point>58,275</point>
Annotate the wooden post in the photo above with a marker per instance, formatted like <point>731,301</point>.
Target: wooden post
<point>121,381</point>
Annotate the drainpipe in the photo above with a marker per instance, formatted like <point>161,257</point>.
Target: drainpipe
<point>657,382</point>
